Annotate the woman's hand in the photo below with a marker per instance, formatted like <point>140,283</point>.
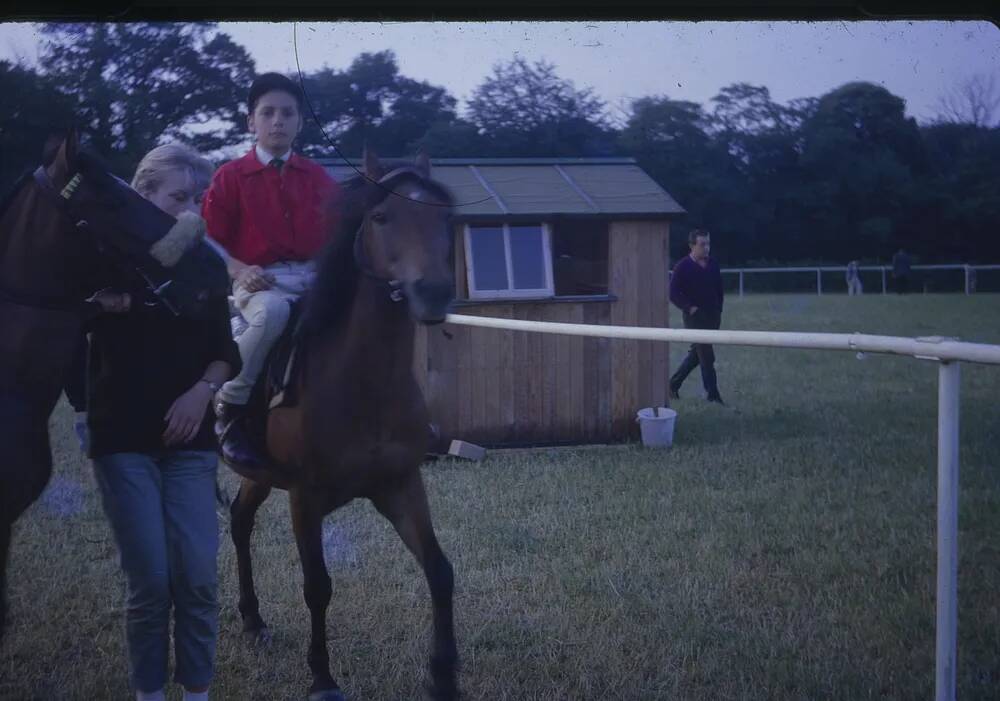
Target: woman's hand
<point>113,302</point>
<point>252,278</point>
<point>185,415</point>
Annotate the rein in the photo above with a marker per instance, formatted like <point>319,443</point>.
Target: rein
<point>46,304</point>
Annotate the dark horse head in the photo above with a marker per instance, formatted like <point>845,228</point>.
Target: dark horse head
<point>61,227</point>
<point>65,222</point>
<point>394,229</point>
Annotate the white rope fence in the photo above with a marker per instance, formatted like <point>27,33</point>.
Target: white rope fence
<point>947,352</point>
<point>968,271</point>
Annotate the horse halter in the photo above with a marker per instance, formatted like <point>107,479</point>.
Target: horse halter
<point>64,196</point>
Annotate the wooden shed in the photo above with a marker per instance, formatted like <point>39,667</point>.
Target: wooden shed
<point>582,240</point>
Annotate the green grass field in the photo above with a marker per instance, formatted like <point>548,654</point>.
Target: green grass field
<point>782,549</point>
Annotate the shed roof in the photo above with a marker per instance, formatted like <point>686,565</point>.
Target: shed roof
<point>499,187</point>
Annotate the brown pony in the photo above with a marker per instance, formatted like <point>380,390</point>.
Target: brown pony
<point>63,229</point>
<point>360,428</point>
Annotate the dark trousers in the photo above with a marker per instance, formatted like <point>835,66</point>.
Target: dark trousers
<point>902,284</point>
<point>700,354</point>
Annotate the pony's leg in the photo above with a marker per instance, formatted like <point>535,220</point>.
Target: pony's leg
<point>5,527</point>
<point>24,474</point>
<point>405,505</point>
<point>307,522</point>
<point>242,512</point>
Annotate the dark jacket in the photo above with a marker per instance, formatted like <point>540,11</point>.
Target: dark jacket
<point>693,285</point>
<point>140,363</point>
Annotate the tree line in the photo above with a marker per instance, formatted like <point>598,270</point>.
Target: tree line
<point>845,175</point>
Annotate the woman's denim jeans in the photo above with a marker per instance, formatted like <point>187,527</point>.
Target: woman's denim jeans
<point>162,510</point>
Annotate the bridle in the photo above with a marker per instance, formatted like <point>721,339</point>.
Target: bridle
<point>362,260</point>
<point>61,198</point>
<point>363,263</point>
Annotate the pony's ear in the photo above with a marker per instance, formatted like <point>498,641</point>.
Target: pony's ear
<point>423,163</point>
<point>372,167</point>
<point>64,161</point>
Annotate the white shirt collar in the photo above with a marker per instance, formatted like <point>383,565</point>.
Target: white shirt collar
<point>265,157</point>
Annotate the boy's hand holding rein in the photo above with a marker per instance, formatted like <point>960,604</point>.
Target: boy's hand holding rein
<point>253,278</point>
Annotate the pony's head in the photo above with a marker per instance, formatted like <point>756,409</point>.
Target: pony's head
<point>85,196</point>
<point>405,235</point>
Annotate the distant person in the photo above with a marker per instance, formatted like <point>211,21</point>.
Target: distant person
<point>901,271</point>
<point>853,279</point>
<point>696,289</point>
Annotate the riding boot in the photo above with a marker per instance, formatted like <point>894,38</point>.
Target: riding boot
<point>234,441</point>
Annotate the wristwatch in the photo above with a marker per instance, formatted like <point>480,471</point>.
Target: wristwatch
<point>214,386</point>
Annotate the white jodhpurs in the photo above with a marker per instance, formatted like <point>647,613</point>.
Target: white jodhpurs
<point>266,313</point>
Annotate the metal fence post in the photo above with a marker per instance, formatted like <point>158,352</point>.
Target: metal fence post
<point>819,281</point>
<point>883,279</point>
<point>741,283</point>
<point>947,531</point>
<point>966,279</point>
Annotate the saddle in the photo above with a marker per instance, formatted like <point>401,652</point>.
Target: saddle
<point>277,385</point>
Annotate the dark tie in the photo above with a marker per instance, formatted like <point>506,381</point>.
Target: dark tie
<point>277,163</point>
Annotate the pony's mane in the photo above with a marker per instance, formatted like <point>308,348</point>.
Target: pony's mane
<point>14,190</point>
<point>332,295</point>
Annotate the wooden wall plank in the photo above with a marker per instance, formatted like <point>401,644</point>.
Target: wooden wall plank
<point>624,284</point>
<point>667,315</point>
<point>506,378</point>
<point>525,388</point>
<point>461,274</point>
<point>580,415</point>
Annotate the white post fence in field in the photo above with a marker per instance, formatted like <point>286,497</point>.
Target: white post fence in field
<point>968,270</point>
<point>945,351</point>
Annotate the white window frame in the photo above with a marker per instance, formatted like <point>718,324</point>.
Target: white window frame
<point>510,293</point>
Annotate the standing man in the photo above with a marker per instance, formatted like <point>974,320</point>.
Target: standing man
<point>696,289</point>
<point>853,279</point>
<point>901,271</point>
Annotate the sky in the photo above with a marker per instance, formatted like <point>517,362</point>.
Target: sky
<point>919,61</point>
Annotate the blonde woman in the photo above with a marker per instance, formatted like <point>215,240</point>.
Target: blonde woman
<point>151,380</point>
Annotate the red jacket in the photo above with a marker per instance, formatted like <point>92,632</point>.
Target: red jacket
<point>262,215</point>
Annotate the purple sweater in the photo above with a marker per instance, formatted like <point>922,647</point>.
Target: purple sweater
<point>693,285</point>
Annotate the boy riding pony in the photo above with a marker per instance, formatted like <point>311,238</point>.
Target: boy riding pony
<point>270,210</point>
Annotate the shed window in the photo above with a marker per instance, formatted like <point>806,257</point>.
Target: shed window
<point>580,257</point>
<point>509,260</point>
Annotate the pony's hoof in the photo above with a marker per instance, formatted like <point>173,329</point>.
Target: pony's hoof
<point>260,638</point>
<point>448,692</point>
<point>327,695</point>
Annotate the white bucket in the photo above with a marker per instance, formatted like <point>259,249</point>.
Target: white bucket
<point>657,426</point>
